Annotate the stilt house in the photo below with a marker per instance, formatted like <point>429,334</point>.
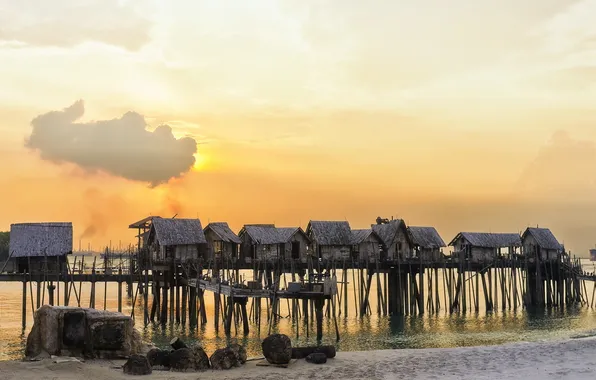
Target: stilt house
<point>260,242</point>
<point>366,245</point>
<point>221,241</point>
<point>541,243</point>
<point>297,244</point>
<point>176,240</point>
<point>396,239</point>
<point>427,243</point>
<point>331,240</point>
<point>484,247</point>
<point>36,247</point>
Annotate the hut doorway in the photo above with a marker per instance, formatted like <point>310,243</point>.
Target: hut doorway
<point>295,250</point>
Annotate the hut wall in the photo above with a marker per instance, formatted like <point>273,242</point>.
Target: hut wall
<point>400,248</point>
<point>268,251</point>
<point>369,250</point>
<point>430,254</point>
<point>37,264</point>
<point>335,252</point>
<point>186,252</point>
<point>216,246</point>
<point>530,247</point>
<point>482,254</point>
<point>297,248</point>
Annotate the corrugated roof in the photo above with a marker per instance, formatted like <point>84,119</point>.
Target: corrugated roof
<point>40,239</point>
<point>330,232</point>
<point>224,232</point>
<point>426,237</point>
<point>490,240</point>
<point>388,231</point>
<point>178,231</point>
<point>544,238</point>
<point>263,233</point>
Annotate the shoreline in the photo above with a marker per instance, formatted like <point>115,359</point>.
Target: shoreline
<point>573,358</point>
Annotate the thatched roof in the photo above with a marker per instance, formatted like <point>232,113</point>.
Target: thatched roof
<point>143,222</point>
<point>358,236</point>
<point>224,232</point>
<point>388,231</point>
<point>330,232</point>
<point>544,238</point>
<point>262,233</point>
<point>426,237</point>
<point>287,233</point>
<point>40,239</point>
<point>489,240</point>
<point>178,231</point>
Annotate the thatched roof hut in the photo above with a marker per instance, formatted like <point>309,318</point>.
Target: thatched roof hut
<point>331,233</point>
<point>359,236</point>
<point>389,232</point>
<point>223,232</point>
<point>544,238</point>
<point>264,234</point>
<point>178,231</point>
<point>426,237</point>
<point>40,239</point>
<point>488,240</point>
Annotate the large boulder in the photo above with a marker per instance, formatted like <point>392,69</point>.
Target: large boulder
<point>182,360</point>
<point>137,365</point>
<point>277,349</point>
<point>159,358</point>
<point>239,351</point>
<point>74,331</point>
<point>200,357</point>
<point>224,358</point>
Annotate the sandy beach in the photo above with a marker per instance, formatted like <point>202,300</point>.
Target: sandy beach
<point>569,359</point>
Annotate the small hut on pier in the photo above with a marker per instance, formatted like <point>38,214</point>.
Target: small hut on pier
<point>396,239</point>
<point>296,243</point>
<point>541,243</point>
<point>176,240</point>
<point>331,240</point>
<point>427,243</point>
<point>260,242</point>
<point>484,247</point>
<point>221,241</point>
<point>37,247</point>
<point>366,245</point>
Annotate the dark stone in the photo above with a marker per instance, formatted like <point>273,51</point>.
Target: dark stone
<point>137,365</point>
<point>277,349</point>
<point>224,358</point>
<point>302,352</point>
<point>159,358</point>
<point>182,360</point>
<point>200,357</point>
<point>317,358</point>
<point>239,352</point>
<point>108,336</point>
<point>74,330</point>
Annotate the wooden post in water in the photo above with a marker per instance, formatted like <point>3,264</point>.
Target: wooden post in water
<point>120,290</point>
<point>24,302</point>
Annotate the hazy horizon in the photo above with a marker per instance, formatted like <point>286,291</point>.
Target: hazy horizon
<point>463,117</point>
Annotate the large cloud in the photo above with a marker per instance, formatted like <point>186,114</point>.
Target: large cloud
<point>69,23</point>
<point>121,147</point>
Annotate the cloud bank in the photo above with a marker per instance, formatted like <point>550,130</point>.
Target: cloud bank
<point>122,147</point>
<point>67,23</point>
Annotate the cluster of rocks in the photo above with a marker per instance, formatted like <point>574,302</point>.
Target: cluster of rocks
<point>183,358</point>
<point>278,350</point>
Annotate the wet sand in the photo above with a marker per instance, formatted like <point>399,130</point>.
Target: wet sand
<point>569,359</point>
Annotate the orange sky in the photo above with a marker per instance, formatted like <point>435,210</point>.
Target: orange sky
<point>476,119</point>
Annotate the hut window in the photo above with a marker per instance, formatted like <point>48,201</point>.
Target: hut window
<point>399,246</point>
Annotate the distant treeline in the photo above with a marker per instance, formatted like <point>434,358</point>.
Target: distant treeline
<point>4,239</point>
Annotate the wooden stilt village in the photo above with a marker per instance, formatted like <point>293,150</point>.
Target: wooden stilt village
<point>326,271</point>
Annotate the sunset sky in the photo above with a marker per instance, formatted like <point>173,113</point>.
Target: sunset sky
<point>476,116</point>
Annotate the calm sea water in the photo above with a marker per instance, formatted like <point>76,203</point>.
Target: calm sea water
<point>357,334</point>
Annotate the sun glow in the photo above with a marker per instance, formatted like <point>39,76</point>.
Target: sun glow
<point>200,162</point>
